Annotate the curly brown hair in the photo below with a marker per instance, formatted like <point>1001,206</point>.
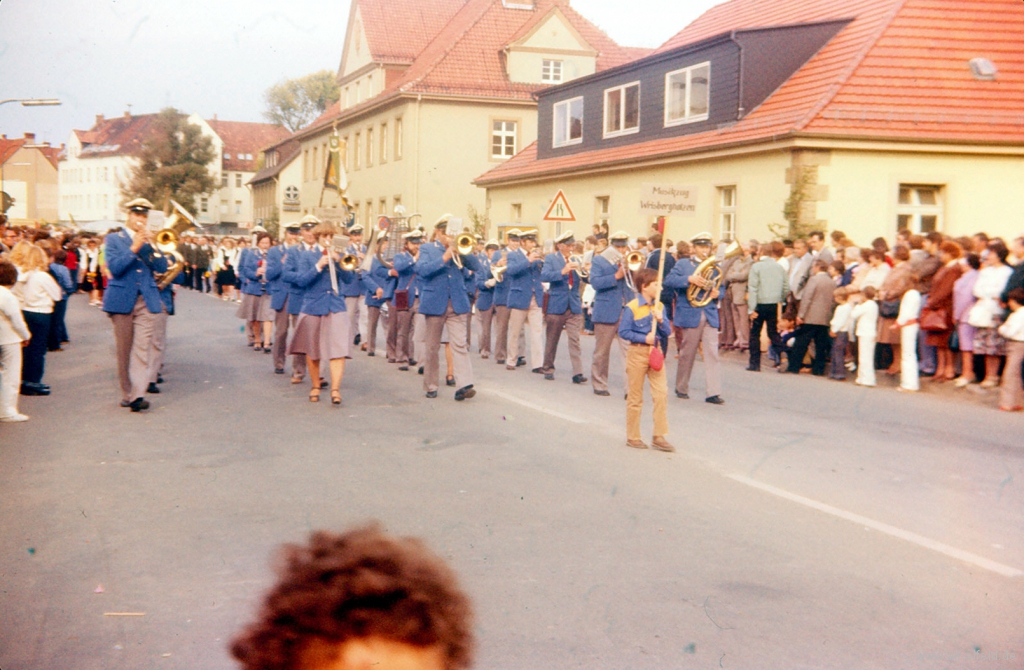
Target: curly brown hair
<point>359,584</point>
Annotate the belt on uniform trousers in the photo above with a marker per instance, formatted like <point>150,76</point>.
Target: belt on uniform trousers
<point>637,344</point>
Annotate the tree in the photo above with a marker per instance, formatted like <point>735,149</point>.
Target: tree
<point>293,103</point>
<point>172,164</point>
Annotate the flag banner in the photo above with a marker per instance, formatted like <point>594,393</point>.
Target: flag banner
<point>334,176</point>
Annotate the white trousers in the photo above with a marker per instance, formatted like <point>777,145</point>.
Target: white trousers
<point>866,361</point>
<point>10,378</point>
<point>908,357</point>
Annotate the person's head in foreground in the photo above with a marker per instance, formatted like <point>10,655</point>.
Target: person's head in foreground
<point>361,600</point>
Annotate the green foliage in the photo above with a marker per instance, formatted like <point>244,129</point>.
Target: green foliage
<point>273,223</point>
<point>293,103</point>
<point>173,164</point>
<point>795,209</point>
<point>481,222</point>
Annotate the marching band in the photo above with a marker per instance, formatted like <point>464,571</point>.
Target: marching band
<point>303,298</point>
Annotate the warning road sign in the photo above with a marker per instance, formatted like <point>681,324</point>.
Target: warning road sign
<point>560,209</point>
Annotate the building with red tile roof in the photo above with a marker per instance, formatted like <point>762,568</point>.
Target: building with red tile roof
<point>28,176</point>
<point>98,162</point>
<point>428,80</point>
<point>881,114</point>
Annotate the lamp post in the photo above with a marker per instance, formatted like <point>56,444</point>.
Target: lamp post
<point>33,102</point>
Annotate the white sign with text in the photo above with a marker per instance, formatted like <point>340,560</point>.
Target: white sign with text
<point>668,199</point>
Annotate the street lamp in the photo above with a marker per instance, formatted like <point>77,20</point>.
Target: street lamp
<point>33,102</point>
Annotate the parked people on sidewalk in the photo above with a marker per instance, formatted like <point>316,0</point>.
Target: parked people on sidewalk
<point>37,292</point>
<point>14,336</point>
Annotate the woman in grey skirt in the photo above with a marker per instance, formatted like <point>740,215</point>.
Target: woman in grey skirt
<point>255,308</point>
<point>322,331</point>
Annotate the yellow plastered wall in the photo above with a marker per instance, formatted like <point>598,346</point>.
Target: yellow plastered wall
<point>761,192</point>
<point>979,192</point>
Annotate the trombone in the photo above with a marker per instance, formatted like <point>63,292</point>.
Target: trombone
<point>464,245</point>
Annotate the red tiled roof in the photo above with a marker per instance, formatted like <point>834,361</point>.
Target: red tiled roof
<point>52,154</point>
<point>119,136</point>
<point>242,138</point>
<point>898,71</point>
<point>8,148</point>
<point>466,56</point>
<point>286,152</point>
<point>397,30</point>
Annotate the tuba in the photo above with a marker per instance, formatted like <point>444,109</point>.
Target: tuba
<point>166,243</point>
<point>711,270</point>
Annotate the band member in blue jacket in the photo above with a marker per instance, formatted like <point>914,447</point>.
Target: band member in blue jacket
<point>637,327</point>
<point>322,332</point>
<point>565,307</point>
<point>279,292</point>
<point>403,301</point>
<point>611,293</point>
<point>353,290</point>
<point>256,309</point>
<point>486,285</point>
<point>699,324</point>
<point>499,259</point>
<point>158,343</point>
<point>132,300</point>
<point>295,292</point>
<point>525,297</point>
<point>444,301</point>
<point>378,288</point>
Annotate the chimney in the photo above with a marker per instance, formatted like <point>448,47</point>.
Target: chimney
<point>99,119</point>
<point>127,114</point>
<point>31,137</point>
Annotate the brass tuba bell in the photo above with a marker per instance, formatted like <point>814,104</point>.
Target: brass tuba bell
<point>710,270</point>
<point>166,242</point>
<point>464,245</point>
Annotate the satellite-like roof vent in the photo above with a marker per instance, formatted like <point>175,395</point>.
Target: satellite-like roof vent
<point>983,69</point>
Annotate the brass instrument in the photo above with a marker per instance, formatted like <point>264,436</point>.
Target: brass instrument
<point>464,245</point>
<point>498,271</point>
<point>166,243</point>
<point>578,260</point>
<point>391,230</point>
<point>710,270</point>
<point>348,262</point>
<point>635,260</point>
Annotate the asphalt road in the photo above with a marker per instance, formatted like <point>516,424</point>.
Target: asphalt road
<point>804,524</point>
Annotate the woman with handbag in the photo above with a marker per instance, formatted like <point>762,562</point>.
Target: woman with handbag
<point>937,314</point>
<point>987,314</point>
<point>963,300</point>
<point>895,285</point>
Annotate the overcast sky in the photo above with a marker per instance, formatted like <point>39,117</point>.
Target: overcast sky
<point>205,56</point>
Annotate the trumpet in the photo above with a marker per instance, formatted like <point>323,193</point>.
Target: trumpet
<point>348,262</point>
<point>464,245</point>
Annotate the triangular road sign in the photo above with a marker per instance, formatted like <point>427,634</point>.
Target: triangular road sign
<point>560,209</point>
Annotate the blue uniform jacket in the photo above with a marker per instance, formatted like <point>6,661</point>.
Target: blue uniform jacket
<point>290,275</point>
<point>636,325</point>
<point>167,294</point>
<point>319,299</point>
<point>667,295</point>
<point>405,265</point>
<point>132,275</point>
<point>243,255</point>
<point>485,294</point>
<point>275,275</point>
<point>378,277</point>
<point>63,277</point>
<point>610,294</point>
<point>686,315</point>
<point>353,288</point>
<point>501,288</point>
<point>524,280</point>
<point>441,283</point>
<point>247,267</point>
<point>560,296</point>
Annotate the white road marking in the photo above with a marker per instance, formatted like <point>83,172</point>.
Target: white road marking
<point>920,540</point>
<point>533,406</point>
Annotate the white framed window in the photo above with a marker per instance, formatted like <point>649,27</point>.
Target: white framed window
<point>223,179</point>
<point>622,110</point>
<point>204,205</point>
<point>357,150</point>
<point>920,209</point>
<point>517,212</point>
<point>602,209</point>
<point>568,122</point>
<point>503,139</point>
<point>727,212</point>
<point>369,214</point>
<point>369,147</point>
<point>382,207</point>
<point>238,206</point>
<point>551,71</point>
<point>384,142</point>
<point>238,180</point>
<point>687,94</point>
<point>223,206</point>
<point>398,138</point>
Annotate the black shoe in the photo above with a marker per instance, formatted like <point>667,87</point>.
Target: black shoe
<point>152,388</point>
<point>139,404</point>
<point>412,362</point>
<point>30,388</point>
<point>431,394</point>
<point>751,368</point>
<point>449,381</point>
<point>538,371</point>
<point>266,350</point>
<point>550,376</point>
<point>499,361</point>
<point>601,393</point>
<point>403,368</point>
<point>251,344</point>
<point>278,371</point>
<point>521,362</point>
<point>465,393</point>
<point>392,360</point>
<point>359,338</point>
<point>714,400</point>
<point>371,353</point>
<point>420,371</point>
<point>579,379</point>
<point>324,384</point>
<point>159,379</point>
<point>684,396</point>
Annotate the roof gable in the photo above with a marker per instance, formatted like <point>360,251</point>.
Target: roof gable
<point>356,53</point>
<point>395,31</point>
<point>245,139</point>
<point>552,31</point>
<point>8,148</point>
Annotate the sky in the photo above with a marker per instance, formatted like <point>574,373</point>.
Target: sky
<point>206,56</point>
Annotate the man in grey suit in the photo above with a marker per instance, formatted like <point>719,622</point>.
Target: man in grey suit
<point>812,321</point>
<point>767,287</point>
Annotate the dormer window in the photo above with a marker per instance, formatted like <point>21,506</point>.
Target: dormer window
<point>622,110</point>
<point>551,71</point>
<point>687,93</point>
<point>568,122</point>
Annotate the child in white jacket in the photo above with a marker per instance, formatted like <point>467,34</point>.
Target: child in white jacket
<point>13,335</point>
<point>865,328</point>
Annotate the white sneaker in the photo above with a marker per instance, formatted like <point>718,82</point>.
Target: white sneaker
<point>961,382</point>
<point>13,418</point>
